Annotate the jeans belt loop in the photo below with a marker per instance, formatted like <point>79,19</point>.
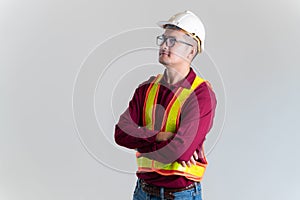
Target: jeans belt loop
<point>196,188</point>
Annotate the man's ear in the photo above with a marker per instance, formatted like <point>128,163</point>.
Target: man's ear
<point>192,53</point>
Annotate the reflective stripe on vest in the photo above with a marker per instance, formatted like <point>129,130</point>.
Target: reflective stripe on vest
<point>170,124</point>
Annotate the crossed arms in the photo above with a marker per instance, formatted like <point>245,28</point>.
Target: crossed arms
<point>184,146</point>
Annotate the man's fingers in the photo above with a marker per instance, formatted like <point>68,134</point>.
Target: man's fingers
<point>195,155</point>
<point>164,136</point>
<point>189,163</point>
<point>193,161</point>
<point>170,135</point>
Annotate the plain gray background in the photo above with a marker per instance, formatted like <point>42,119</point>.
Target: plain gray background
<point>43,46</point>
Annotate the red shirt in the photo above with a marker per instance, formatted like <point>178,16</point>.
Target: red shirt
<point>196,119</point>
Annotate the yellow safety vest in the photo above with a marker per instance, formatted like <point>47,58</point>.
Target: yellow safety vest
<point>169,124</point>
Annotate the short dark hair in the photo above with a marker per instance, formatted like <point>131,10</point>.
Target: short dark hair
<point>172,26</point>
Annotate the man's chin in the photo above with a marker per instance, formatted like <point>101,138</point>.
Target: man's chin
<point>162,61</point>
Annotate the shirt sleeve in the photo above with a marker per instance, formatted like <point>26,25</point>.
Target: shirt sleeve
<point>129,131</point>
<point>195,122</point>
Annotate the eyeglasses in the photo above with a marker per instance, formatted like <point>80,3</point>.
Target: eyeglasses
<point>170,41</point>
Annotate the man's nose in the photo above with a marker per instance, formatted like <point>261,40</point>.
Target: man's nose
<point>164,45</point>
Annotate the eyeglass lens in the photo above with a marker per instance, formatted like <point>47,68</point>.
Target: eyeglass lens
<point>169,41</point>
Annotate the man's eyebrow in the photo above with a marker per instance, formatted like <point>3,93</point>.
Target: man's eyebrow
<point>168,36</point>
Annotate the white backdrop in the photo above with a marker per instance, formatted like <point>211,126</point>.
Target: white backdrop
<point>58,89</point>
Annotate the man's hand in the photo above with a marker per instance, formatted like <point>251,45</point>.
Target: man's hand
<point>164,136</point>
<point>191,161</point>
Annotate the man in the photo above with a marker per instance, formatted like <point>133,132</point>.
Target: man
<point>169,116</point>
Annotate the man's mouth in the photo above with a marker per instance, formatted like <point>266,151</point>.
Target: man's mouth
<point>164,53</point>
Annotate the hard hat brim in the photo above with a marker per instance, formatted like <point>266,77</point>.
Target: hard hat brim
<point>163,23</point>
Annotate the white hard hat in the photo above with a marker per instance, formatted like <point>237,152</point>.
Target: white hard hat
<point>190,23</point>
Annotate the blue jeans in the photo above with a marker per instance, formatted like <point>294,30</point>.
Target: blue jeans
<point>191,194</point>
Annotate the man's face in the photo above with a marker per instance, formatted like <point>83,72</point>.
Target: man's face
<point>179,53</point>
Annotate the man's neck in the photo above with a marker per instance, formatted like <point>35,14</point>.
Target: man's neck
<point>176,75</point>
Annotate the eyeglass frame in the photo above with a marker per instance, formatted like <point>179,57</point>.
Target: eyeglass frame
<point>164,39</point>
